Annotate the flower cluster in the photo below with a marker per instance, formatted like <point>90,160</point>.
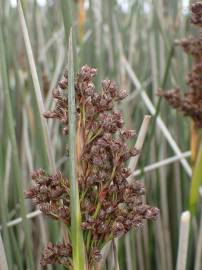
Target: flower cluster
<point>192,46</point>
<point>110,206</point>
<point>57,254</point>
<point>61,109</point>
<point>196,16</point>
<point>191,103</point>
<point>51,193</point>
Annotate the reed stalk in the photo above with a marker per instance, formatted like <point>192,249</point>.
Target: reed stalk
<point>15,154</point>
<point>76,234</point>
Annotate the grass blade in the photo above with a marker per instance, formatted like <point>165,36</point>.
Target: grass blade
<point>67,14</point>
<point>198,259</point>
<point>3,212</point>
<point>36,88</point>
<point>160,123</point>
<point>15,155</point>
<point>3,261</point>
<point>196,182</point>
<point>115,253</point>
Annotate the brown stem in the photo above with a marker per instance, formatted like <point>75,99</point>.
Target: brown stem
<point>194,142</point>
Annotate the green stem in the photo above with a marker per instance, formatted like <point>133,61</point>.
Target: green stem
<point>158,106</point>
<point>76,234</point>
<point>15,154</point>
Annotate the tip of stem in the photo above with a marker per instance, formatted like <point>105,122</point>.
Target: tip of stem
<point>185,217</point>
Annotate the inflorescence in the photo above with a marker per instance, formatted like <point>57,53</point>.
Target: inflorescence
<point>110,206</point>
<point>191,103</point>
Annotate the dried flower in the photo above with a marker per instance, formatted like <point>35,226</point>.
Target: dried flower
<point>110,206</point>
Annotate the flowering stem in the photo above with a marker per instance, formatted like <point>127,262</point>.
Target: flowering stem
<point>76,235</point>
<point>97,191</point>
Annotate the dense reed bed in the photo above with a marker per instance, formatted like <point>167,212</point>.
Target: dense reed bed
<point>136,44</point>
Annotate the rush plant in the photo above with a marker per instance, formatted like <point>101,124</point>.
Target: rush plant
<point>191,103</point>
<point>109,205</point>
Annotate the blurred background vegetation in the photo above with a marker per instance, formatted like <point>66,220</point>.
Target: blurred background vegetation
<point>134,43</point>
